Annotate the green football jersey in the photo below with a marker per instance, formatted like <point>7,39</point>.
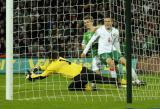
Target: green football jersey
<point>94,49</point>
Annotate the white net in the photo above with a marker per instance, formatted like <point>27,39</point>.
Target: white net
<point>146,46</point>
<point>146,43</point>
<point>42,26</point>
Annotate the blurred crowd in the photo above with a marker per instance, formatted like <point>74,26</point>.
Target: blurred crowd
<point>2,29</point>
<point>41,26</point>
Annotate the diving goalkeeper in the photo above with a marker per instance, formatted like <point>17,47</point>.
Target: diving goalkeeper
<point>79,74</point>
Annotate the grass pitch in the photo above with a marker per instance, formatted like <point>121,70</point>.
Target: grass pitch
<point>52,93</point>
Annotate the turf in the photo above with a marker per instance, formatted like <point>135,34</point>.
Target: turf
<point>52,93</point>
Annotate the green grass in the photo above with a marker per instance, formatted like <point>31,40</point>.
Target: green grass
<point>50,93</point>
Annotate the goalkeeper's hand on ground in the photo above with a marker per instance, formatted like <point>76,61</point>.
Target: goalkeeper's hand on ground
<point>28,76</point>
<point>34,70</point>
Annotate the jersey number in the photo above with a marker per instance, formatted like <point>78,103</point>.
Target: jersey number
<point>109,40</point>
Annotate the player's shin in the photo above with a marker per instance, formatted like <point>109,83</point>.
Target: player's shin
<point>113,72</point>
<point>134,76</point>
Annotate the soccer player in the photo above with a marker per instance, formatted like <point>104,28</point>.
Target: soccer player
<point>88,23</point>
<point>109,48</point>
<point>79,74</point>
<point>96,64</point>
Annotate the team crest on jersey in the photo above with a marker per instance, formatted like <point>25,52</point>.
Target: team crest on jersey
<point>109,40</point>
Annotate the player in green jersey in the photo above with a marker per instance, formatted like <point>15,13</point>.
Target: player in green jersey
<point>88,23</point>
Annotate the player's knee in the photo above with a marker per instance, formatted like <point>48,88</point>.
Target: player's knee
<point>122,61</point>
<point>111,63</point>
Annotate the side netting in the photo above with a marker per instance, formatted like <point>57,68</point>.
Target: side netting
<point>45,26</point>
<point>146,47</point>
<point>145,43</point>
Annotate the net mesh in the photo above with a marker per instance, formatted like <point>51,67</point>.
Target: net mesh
<point>146,40</point>
<point>42,26</point>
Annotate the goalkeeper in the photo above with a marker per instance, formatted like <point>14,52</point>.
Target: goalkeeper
<point>79,74</point>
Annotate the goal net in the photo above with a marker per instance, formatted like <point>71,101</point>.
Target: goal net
<point>146,47</point>
<point>42,26</point>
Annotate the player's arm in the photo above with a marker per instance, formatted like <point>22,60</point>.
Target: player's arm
<point>116,41</point>
<point>41,67</point>
<point>89,44</point>
<point>84,41</point>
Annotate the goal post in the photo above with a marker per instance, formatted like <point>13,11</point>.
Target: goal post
<point>128,50</point>
<point>9,49</point>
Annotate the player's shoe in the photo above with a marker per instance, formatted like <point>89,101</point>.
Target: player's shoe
<point>88,87</point>
<point>141,83</point>
<point>94,88</point>
<point>28,76</point>
<point>118,84</point>
<point>123,83</point>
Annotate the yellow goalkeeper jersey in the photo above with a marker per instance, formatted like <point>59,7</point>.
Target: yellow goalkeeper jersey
<point>63,67</point>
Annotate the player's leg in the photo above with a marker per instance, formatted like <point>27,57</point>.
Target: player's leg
<point>116,57</point>
<point>106,58</point>
<point>79,83</point>
<point>112,67</point>
<point>95,65</point>
<point>97,78</point>
<point>81,80</point>
<point>96,68</point>
<point>77,86</point>
<point>135,79</point>
<point>122,61</point>
<point>86,75</point>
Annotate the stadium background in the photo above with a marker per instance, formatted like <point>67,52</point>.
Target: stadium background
<point>59,26</point>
